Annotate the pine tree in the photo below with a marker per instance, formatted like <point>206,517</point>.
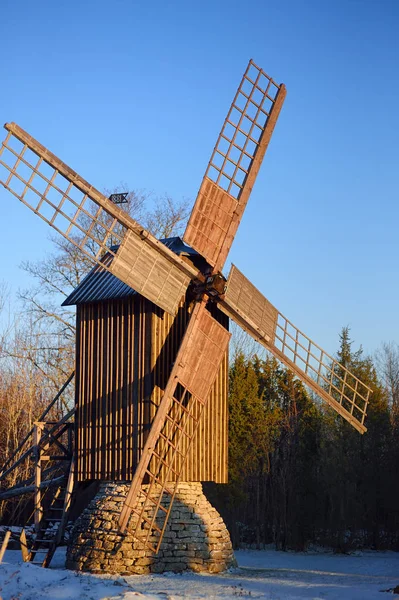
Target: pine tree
<point>252,431</point>
<point>353,473</point>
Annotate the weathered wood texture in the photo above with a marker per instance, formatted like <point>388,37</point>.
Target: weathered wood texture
<point>331,381</point>
<point>234,165</point>
<point>4,544</point>
<point>125,352</point>
<point>248,307</point>
<point>146,270</point>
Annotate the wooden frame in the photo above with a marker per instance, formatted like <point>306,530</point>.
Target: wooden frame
<point>234,165</point>
<point>331,381</point>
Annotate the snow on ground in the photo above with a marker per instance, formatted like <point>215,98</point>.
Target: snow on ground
<point>263,574</point>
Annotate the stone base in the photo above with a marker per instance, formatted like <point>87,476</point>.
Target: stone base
<point>195,538</point>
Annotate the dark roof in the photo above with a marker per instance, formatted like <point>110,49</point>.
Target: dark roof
<point>100,285</point>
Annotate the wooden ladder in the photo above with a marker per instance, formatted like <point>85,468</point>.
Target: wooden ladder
<point>48,538</point>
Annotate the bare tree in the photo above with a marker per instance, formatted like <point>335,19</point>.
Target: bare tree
<point>243,343</point>
<point>3,294</point>
<point>25,390</point>
<point>387,361</point>
<point>167,217</point>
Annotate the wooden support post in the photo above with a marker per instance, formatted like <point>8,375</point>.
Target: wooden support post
<point>24,546</point>
<point>70,440</point>
<point>37,432</point>
<point>4,544</point>
<point>67,505</point>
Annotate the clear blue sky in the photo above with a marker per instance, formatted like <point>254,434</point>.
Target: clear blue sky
<point>137,92</point>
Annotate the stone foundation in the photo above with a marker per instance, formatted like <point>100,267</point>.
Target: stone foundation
<point>195,538</point>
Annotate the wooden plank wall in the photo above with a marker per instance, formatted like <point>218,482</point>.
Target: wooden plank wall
<point>109,351</point>
<point>125,350</point>
<point>207,459</point>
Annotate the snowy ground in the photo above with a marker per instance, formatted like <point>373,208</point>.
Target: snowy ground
<point>265,574</point>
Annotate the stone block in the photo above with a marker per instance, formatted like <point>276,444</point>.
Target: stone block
<point>139,570</point>
<point>197,567</point>
<point>144,561</point>
<point>181,553</point>
<point>202,554</point>
<point>216,554</point>
<point>179,547</point>
<point>176,567</point>
<point>184,533</point>
<point>128,562</point>
<point>216,567</point>
<point>158,567</point>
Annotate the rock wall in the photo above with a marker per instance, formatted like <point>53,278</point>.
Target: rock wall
<point>195,538</point>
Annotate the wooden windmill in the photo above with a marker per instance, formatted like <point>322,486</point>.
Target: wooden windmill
<point>182,291</point>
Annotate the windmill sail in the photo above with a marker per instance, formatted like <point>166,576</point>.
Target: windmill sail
<point>330,380</point>
<point>234,165</point>
<point>90,221</point>
<point>178,416</point>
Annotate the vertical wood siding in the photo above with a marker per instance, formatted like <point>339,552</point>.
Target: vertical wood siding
<point>125,351</point>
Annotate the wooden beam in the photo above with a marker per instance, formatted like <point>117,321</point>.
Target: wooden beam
<point>4,544</point>
<point>66,507</point>
<point>38,512</point>
<point>24,546</point>
<point>30,489</point>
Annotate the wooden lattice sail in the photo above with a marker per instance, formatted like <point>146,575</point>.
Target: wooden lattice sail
<point>331,381</point>
<point>234,165</point>
<point>90,221</point>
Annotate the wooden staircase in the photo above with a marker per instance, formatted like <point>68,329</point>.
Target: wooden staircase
<point>52,525</point>
<point>50,529</point>
<point>47,451</point>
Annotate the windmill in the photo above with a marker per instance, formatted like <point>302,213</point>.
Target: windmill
<point>122,249</point>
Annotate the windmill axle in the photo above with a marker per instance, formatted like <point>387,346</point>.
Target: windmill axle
<point>213,286</point>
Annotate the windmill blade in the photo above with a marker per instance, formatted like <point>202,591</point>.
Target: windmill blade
<point>174,427</point>
<point>330,380</point>
<point>90,221</point>
<point>234,165</point>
